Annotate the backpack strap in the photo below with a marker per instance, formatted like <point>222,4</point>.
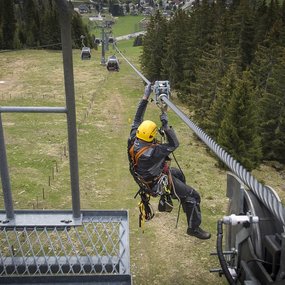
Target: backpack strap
<point>135,157</point>
<point>145,191</point>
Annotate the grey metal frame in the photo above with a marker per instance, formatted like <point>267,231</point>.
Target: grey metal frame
<point>41,248</point>
<point>68,247</point>
<point>69,110</point>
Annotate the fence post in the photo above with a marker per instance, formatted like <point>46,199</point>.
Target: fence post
<point>6,186</point>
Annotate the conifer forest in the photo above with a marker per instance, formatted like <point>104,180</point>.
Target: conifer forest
<point>224,59</point>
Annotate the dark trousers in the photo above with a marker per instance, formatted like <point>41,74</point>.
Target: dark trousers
<point>189,197</point>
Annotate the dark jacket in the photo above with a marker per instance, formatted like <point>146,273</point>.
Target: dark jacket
<point>151,163</point>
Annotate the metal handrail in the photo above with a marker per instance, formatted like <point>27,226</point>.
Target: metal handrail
<point>69,110</point>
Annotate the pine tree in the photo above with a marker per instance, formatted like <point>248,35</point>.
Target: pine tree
<point>268,69</point>
<point>204,89</point>
<point>50,28</point>
<point>283,13</point>
<point>239,131</point>
<point>8,24</point>
<point>273,124</point>
<point>245,33</point>
<point>191,58</point>
<point>154,45</point>
<point>272,89</point>
<point>78,30</point>
<point>31,23</point>
<point>177,44</point>
<point>197,37</point>
<point>261,22</point>
<point>212,64</point>
<point>220,105</point>
<point>1,23</point>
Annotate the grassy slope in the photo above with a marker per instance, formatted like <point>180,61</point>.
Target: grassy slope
<point>106,103</point>
<point>126,25</point>
<point>123,25</point>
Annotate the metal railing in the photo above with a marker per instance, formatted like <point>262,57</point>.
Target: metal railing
<point>61,247</point>
<point>98,246</point>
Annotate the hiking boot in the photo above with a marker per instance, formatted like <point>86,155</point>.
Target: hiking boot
<point>198,233</point>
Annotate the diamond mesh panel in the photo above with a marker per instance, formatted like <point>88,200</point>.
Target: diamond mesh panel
<point>98,246</point>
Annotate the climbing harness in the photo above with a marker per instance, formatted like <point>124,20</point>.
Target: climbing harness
<point>157,187</point>
<point>162,92</point>
<point>160,186</point>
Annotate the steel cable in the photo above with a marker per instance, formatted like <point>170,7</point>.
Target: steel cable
<point>264,193</point>
<point>268,197</point>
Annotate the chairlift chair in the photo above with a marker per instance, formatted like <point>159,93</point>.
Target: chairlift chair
<point>113,63</point>
<point>111,40</point>
<point>97,41</point>
<point>85,53</point>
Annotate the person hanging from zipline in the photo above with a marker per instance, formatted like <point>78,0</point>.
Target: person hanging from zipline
<point>150,167</point>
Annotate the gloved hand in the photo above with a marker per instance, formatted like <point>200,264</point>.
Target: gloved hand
<point>164,119</point>
<point>147,91</point>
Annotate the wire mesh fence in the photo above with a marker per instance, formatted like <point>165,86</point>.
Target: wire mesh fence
<point>99,245</point>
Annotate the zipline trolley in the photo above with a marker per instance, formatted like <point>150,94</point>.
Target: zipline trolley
<point>161,88</point>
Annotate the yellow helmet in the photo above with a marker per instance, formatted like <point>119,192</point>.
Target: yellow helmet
<point>147,131</point>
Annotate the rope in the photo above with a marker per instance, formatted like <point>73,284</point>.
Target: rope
<point>265,194</point>
<point>178,166</point>
<point>174,191</point>
<point>172,184</point>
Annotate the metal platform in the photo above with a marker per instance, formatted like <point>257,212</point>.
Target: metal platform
<point>74,280</point>
<point>94,249</point>
<point>61,247</point>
